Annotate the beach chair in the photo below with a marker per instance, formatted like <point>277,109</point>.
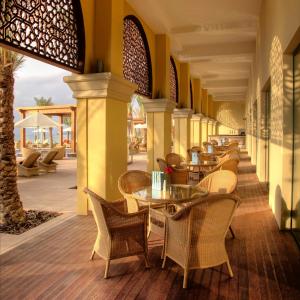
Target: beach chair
<point>47,164</point>
<point>29,167</point>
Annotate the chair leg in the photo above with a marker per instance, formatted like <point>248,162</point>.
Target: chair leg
<point>231,231</point>
<point>229,268</point>
<point>164,262</point>
<point>162,251</point>
<point>147,265</point>
<point>106,269</point>
<point>185,278</point>
<point>92,256</point>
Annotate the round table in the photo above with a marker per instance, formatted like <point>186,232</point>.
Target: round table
<point>172,195</point>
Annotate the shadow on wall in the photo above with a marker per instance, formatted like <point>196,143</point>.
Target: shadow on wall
<point>280,210</point>
<point>231,114</point>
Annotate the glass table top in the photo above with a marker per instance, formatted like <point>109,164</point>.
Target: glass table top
<point>172,194</point>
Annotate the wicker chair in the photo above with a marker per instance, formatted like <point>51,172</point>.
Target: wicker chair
<point>61,152</point>
<point>47,164</point>
<point>119,234</point>
<point>230,164</point>
<point>195,235</point>
<point>130,182</point>
<point>28,167</point>
<point>178,176</point>
<point>214,142</point>
<point>27,151</point>
<point>174,159</point>
<point>221,182</point>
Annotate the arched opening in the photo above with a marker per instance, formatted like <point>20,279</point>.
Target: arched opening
<point>51,31</point>
<point>173,81</point>
<point>136,56</point>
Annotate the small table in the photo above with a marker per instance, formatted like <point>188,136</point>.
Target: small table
<point>174,194</point>
<point>198,168</point>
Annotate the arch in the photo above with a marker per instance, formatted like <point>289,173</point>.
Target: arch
<point>137,66</point>
<point>173,81</point>
<point>51,31</point>
<point>191,96</point>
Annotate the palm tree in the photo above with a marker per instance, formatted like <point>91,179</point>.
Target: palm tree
<point>11,208</point>
<point>41,101</point>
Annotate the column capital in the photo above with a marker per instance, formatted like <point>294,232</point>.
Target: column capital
<point>158,105</point>
<point>205,119</point>
<point>182,113</point>
<point>196,117</point>
<point>100,85</point>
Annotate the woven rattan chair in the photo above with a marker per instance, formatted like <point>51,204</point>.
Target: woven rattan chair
<point>130,182</point>
<point>195,235</point>
<point>28,167</point>
<point>27,151</point>
<point>221,182</point>
<point>61,152</point>
<point>178,176</point>
<point>119,234</point>
<point>214,142</point>
<point>230,164</point>
<point>47,164</point>
<point>174,159</point>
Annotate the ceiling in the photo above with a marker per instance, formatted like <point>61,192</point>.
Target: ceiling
<point>217,38</point>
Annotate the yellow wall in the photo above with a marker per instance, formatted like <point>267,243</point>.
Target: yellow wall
<point>230,113</point>
<point>276,39</point>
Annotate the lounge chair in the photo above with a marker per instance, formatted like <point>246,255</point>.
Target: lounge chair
<point>195,235</point>
<point>60,152</point>
<point>29,167</point>
<point>47,164</point>
<point>27,151</point>
<point>119,234</point>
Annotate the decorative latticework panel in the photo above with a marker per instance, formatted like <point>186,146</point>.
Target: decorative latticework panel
<point>173,81</point>
<point>191,95</point>
<point>50,30</point>
<point>136,56</point>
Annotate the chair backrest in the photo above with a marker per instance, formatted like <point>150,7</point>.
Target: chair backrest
<point>214,142</point>
<point>30,160</point>
<point>133,180</point>
<point>61,152</point>
<point>229,164</point>
<point>173,159</point>
<point>49,157</point>
<point>98,212</point>
<point>222,181</point>
<point>211,218</point>
<point>27,151</point>
<point>162,164</point>
<point>196,148</point>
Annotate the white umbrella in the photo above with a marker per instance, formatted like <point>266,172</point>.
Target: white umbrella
<point>40,130</point>
<point>68,129</point>
<point>36,120</point>
<point>140,126</point>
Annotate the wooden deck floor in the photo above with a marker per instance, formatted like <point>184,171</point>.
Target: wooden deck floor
<point>265,261</point>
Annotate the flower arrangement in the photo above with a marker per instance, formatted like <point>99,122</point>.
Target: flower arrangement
<point>168,170</point>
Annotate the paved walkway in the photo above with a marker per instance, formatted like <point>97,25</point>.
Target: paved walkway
<point>56,265</point>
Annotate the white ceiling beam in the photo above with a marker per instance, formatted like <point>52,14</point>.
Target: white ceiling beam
<point>224,49</point>
<point>217,28</point>
<point>226,83</point>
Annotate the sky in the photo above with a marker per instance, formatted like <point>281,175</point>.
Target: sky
<point>38,79</point>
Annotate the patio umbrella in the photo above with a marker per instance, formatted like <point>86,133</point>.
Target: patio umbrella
<point>38,121</point>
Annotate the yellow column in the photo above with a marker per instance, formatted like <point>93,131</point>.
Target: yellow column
<point>196,130</point>
<point>204,102</point>
<point>102,133</point>
<point>204,130</point>
<point>182,120</point>
<point>209,128</point>
<point>159,129</point>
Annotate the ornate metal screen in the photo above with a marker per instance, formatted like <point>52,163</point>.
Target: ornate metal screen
<point>173,81</point>
<point>191,95</point>
<point>136,56</point>
<point>50,30</point>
